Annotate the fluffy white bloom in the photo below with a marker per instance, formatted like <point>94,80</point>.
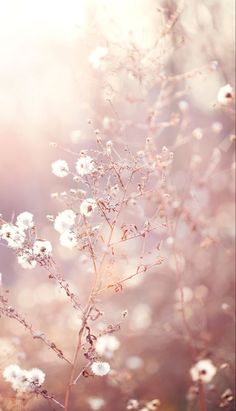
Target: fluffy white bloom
<point>100,368</point>
<point>60,168</point>
<point>203,370</point>
<point>26,259</point>
<point>225,95</point>
<point>12,372</point>
<point>36,376</point>
<point>14,236</point>
<point>87,207</point>
<point>64,220</point>
<point>96,403</point>
<point>85,165</point>
<point>68,239</point>
<point>42,248</point>
<point>25,220</point>
<point>22,380</point>
<point>107,344</point>
<point>97,56</point>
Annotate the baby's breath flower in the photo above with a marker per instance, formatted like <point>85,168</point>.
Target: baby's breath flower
<point>225,95</point>
<point>85,165</point>
<point>25,220</point>
<point>60,168</point>
<point>42,248</point>
<point>100,368</point>
<point>12,372</point>
<point>87,207</point>
<point>64,221</point>
<point>68,239</point>
<point>203,370</point>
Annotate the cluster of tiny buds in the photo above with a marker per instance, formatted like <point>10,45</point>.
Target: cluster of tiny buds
<point>134,404</point>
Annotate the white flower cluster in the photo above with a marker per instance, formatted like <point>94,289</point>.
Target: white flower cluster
<point>85,165</point>
<point>24,381</point>
<point>16,237</point>
<point>64,224</point>
<point>60,168</point>
<point>87,207</point>
<point>203,370</point>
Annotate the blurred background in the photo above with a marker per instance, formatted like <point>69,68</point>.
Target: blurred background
<point>67,69</point>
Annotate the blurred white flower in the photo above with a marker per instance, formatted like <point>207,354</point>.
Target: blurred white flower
<point>100,368</point>
<point>14,236</point>
<point>87,207</point>
<point>203,370</point>
<point>60,168</point>
<point>36,376</point>
<point>107,344</point>
<point>225,95</point>
<point>134,362</point>
<point>64,221</point>
<point>26,259</point>
<point>85,165</point>
<point>25,220</point>
<point>97,56</point>
<point>96,403</point>
<point>42,248</point>
<point>12,372</point>
<point>68,239</point>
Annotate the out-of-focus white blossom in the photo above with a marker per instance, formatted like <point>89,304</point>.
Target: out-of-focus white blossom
<point>25,220</point>
<point>42,248</point>
<point>203,370</point>
<point>87,207</point>
<point>185,293</point>
<point>97,56</point>
<point>60,168</point>
<point>22,380</point>
<point>225,95</point>
<point>68,239</point>
<point>96,403</point>
<point>14,236</point>
<point>107,344</point>
<point>64,221</point>
<point>26,259</point>
<point>85,165</point>
<point>100,368</point>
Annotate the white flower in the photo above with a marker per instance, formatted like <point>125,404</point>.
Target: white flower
<point>36,376</point>
<point>85,165</point>
<point>22,380</point>
<point>203,370</point>
<point>25,220</point>
<point>100,368</point>
<point>97,56</point>
<point>60,168</point>
<point>64,220</point>
<point>14,236</point>
<point>68,239</point>
<point>87,207</point>
<point>26,259</point>
<point>185,293</point>
<point>12,372</point>
<point>96,403</point>
<point>42,248</point>
<point>225,95</point>
<point>107,344</point>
